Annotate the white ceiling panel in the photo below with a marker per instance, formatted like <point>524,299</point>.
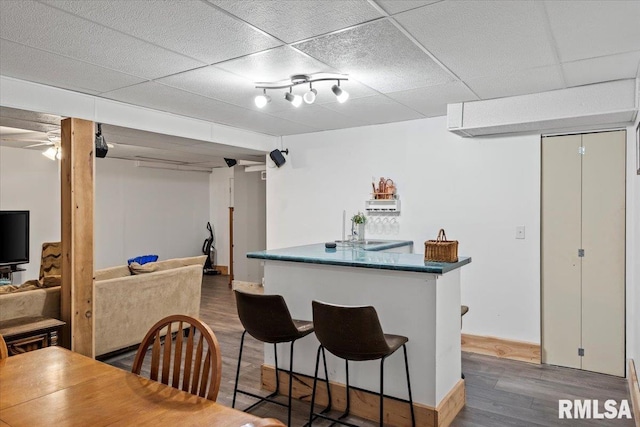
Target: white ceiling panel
<point>378,55</point>
<point>432,101</point>
<point>274,65</point>
<point>318,117</point>
<point>297,20</point>
<point>588,29</point>
<point>35,65</point>
<point>396,6</point>
<point>605,68</point>
<point>195,29</point>
<point>519,83</point>
<point>374,109</point>
<point>40,26</point>
<point>482,38</point>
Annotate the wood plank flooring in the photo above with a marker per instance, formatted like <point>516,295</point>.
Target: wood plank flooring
<point>499,392</point>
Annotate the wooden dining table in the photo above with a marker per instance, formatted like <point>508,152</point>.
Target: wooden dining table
<point>54,386</point>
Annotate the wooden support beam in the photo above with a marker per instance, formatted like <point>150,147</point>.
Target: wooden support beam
<point>77,188</point>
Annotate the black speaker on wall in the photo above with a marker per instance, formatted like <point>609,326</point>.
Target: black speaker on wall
<point>277,157</point>
<point>230,162</point>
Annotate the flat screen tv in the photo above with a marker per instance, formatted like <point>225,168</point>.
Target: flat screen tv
<point>14,237</point>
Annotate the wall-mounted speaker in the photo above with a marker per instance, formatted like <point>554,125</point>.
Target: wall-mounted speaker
<point>277,157</point>
<point>230,162</point>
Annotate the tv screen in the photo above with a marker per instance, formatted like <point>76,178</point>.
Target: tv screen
<point>14,237</point>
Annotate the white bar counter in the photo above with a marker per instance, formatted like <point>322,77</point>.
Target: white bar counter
<point>418,299</point>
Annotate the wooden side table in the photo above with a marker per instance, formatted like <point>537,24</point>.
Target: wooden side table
<point>30,333</point>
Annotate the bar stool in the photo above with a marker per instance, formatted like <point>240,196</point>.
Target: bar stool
<point>267,319</point>
<point>353,333</point>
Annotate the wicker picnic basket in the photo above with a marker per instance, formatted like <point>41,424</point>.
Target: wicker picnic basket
<point>441,249</point>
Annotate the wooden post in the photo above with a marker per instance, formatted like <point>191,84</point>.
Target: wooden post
<point>76,172</point>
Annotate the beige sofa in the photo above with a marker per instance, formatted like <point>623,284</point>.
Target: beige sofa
<point>125,305</point>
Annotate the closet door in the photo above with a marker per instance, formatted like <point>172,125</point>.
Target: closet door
<point>603,240</point>
<point>560,221</point>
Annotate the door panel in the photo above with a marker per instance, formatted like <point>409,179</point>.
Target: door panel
<point>603,239</point>
<point>560,221</point>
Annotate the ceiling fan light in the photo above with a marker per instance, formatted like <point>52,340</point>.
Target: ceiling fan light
<point>262,100</point>
<point>296,100</point>
<point>341,94</point>
<point>310,97</point>
<point>50,153</point>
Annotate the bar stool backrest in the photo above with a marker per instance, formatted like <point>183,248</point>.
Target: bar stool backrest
<point>265,317</point>
<point>352,333</point>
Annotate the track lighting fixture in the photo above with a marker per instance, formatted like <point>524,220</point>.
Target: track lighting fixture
<point>53,153</point>
<point>341,94</point>
<point>296,100</point>
<point>262,100</point>
<point>309,96</point>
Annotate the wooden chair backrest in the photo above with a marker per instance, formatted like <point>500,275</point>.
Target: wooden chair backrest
<point>201,366</point>
<point>4,351</point>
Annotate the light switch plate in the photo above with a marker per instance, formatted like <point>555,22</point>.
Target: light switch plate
<point>520,232</point>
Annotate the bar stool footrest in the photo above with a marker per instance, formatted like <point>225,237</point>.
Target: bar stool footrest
<point>262,399</point>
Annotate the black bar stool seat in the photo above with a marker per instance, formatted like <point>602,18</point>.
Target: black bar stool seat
<point>353,333</point>
<point>267,319</point>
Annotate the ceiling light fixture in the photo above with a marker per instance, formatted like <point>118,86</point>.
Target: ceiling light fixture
<point>53,153</point>
<point>262,100</point>
<point>341,94</point>
<point>296,100</point>
<point>310,97</point>
<point>297,79</point>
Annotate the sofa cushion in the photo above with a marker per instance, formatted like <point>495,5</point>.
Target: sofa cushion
<point>148,267</point>
<point>112,273</point>
<point>50,263</point>
<point>181,262</point>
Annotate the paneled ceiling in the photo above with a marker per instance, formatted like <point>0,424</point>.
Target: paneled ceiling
<point>405,59</point>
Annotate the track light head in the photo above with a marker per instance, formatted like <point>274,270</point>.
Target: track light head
<point>341,94</point>
<point>51,153</point>
<point>310,97</point>
<point>262,100</point>
<point>296,100</point>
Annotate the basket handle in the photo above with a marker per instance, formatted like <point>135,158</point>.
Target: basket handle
<point>442,236</point>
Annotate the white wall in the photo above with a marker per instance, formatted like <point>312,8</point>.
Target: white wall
<point>137,210</point>
<point>220,200</point>
<point>148,211</point>
<point>30,181</point>
<point>477,189</point>
<point>249,231</point>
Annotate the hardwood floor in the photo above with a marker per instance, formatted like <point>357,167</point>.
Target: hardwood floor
<point>499,392</point>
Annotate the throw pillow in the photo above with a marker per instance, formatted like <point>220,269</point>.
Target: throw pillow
<point>149,267</point>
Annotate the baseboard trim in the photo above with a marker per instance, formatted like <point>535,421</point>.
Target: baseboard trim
<point>634,391</point>
<point>364,403</point>
<point>223,269</point>
<point>499,347</point>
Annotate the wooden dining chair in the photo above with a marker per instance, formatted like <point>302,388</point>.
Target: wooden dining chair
<point>4,351</point>
<point>192,354</point>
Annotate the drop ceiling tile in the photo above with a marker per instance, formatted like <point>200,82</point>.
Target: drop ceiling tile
<point>297,20</point>
<point>396,6</point>
<point>274,65</point>
<point>43,27</point>
<point>587,29</point>
<point>605,68</point>
<point>378,55</point>
<point>482,38</point>
<point>374,110</point>
<point>195,29</point>
<point>519,83</point>
<point>432,101</point>
<point>318,117</point>
<point>38,66</point>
